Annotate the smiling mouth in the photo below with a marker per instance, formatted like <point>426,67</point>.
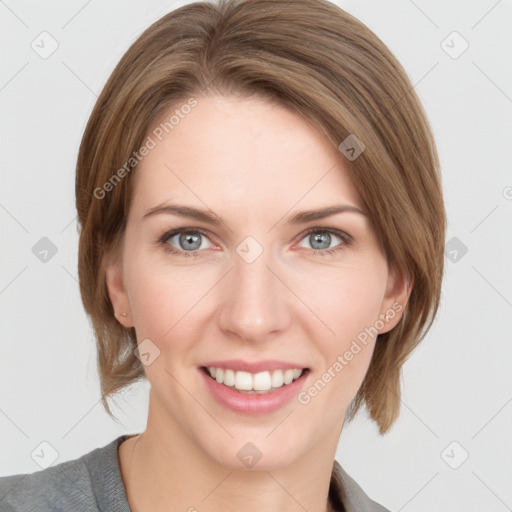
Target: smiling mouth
<point>255,383</point>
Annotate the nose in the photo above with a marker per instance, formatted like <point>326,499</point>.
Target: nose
<point>254,300</point>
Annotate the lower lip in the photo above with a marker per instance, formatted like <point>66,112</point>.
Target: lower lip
<point>247,403</point>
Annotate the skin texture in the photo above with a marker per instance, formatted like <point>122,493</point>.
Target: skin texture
<point>254,164</point>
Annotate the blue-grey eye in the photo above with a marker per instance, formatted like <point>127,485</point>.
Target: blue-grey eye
<point>189,241</point>
<point>320,240</point>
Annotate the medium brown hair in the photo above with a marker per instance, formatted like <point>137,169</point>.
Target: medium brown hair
<point>316,60</point>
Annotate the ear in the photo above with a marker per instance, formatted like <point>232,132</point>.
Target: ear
<point>117,291</point>
<point>395,300</point>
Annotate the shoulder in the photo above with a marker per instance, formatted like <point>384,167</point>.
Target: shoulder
<point>61,487</point>
<point>350,493</point>
<point>70,485</point>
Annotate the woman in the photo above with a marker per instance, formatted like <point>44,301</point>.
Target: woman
<point>262,232</point>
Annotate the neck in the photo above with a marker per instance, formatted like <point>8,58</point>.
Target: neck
<point>167,472</point>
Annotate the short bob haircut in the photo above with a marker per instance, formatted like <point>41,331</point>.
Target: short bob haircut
<point>316,60</point>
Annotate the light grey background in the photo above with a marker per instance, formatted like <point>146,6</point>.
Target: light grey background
<point>456,386</point>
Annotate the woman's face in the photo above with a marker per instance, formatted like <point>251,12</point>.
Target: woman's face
<point>263,283</point>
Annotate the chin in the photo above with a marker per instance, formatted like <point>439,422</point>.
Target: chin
<point>255,452</point>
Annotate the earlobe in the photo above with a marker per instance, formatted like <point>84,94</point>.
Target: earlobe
<point>117,294</point>
<point>395,301</point>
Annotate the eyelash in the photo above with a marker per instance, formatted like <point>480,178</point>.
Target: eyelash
<point>346,241</point>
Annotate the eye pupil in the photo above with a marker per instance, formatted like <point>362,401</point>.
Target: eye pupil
<point>323,238</point>
<point>190,241</point>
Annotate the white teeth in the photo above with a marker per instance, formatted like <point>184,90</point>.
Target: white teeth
<point>243,381</point>
<point>288,376</point>
<point>259,382</point>
<point>262,381</point>
<point>277,379</point>
<point>229,378</point>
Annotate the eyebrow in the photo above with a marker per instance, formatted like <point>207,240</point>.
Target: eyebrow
<point>210,218</point>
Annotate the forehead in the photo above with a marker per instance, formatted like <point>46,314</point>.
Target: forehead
<point>232,152</point>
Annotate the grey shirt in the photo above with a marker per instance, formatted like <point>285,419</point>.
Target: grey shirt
<point>93,483</point>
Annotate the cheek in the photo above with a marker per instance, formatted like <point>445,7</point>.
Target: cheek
<point>163,302</point>
<point>348,304</point>
<point>347,300</point>
<point>169,304</point>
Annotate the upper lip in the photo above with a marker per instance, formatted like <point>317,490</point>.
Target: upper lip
<point>254,366</point>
